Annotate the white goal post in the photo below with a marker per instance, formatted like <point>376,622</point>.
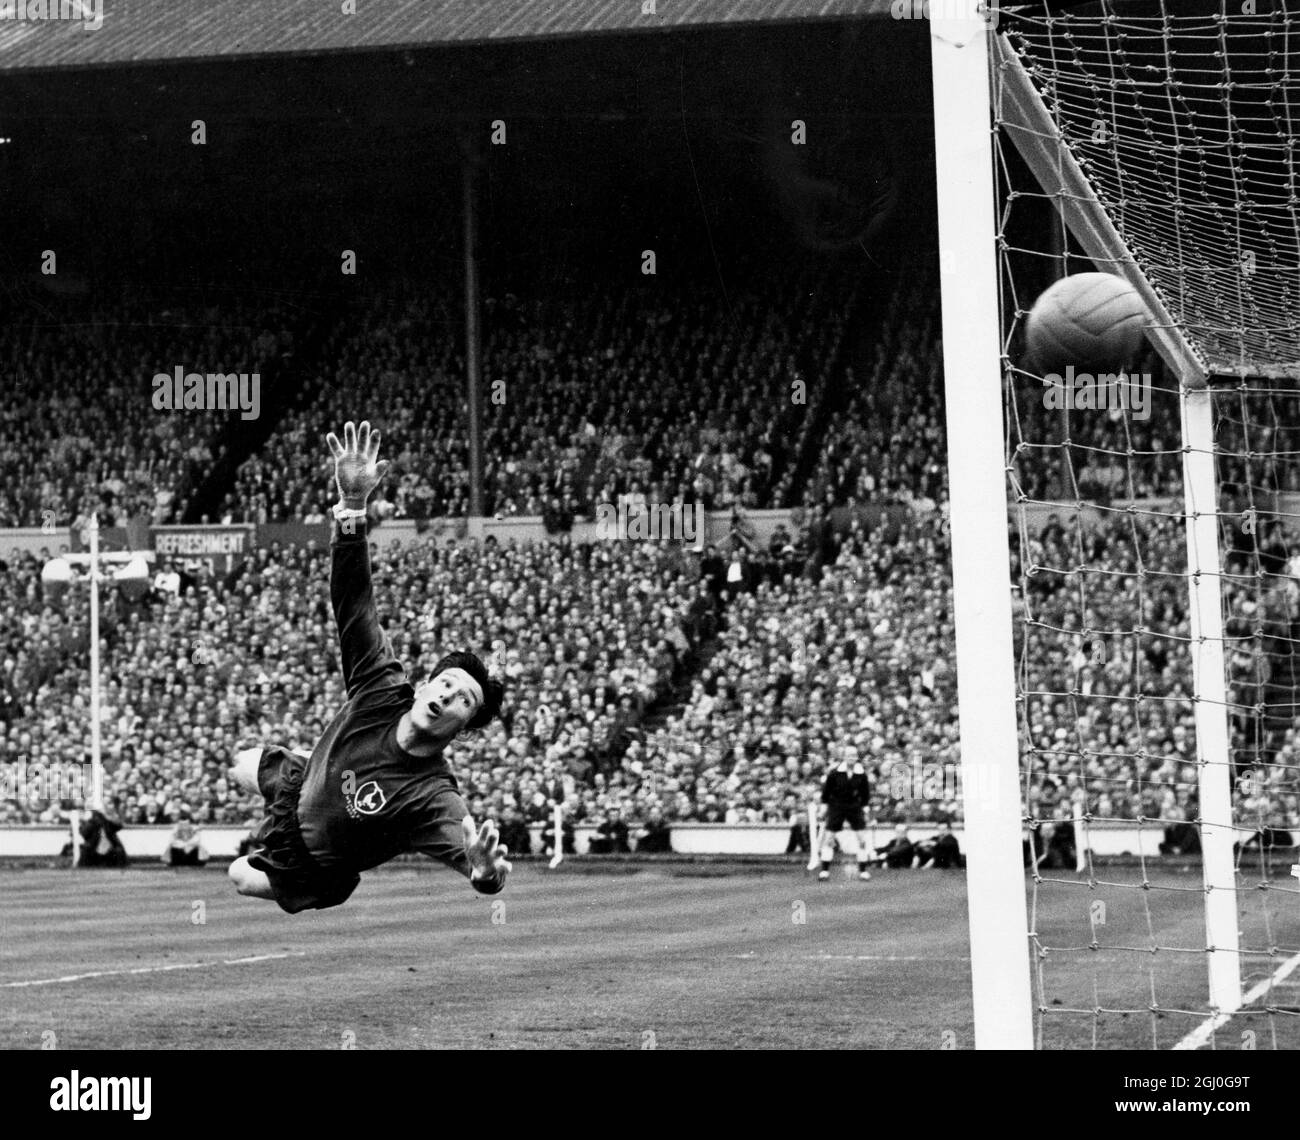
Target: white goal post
<point>981,557</point>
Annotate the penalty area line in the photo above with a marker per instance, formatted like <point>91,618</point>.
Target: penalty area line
<point>1203,1032</point>
<point>152,970</point>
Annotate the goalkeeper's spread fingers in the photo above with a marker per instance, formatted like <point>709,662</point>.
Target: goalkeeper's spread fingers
<point>336,447</point>
<point>350,436</point>
<point>469,833</point>
<point>372,446</point>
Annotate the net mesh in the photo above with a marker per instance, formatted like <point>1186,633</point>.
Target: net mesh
<point>1185,126</point>
<point>1192,161</point>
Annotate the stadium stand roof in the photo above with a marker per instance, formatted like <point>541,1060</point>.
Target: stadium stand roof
<point>145,31</point>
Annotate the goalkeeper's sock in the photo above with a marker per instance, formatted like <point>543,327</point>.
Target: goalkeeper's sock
<point>862,867</point>
<point>826,865</point>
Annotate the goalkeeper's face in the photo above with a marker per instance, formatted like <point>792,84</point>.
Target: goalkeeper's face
<point>446,703</point>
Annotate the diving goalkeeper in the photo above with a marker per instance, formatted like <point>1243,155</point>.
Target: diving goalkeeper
<point>376,784</point>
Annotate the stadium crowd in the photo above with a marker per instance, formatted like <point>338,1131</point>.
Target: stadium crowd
<point>647,684</point>
<point>887,444</point>
<point>588,636</point>
<point>846,662</point>
<point>809,665</point>
<point>73,438</point>
<point>590,398</point>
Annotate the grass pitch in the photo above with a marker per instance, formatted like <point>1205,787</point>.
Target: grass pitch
<point>661,958</point>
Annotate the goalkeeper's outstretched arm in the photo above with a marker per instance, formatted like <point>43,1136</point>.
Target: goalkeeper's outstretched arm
<point>367,656</point>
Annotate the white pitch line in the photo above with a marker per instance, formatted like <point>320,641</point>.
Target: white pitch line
<point>1202,1033</point>
<point>876,958</point>
<point>862,958</point>
<point>150,970</point>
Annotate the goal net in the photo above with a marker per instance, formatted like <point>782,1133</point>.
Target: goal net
<point>1156,540</point>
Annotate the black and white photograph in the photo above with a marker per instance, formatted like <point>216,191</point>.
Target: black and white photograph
<point>650,525</point>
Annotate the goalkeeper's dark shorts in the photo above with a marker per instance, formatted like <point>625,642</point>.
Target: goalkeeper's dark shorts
<point>278,850</point>
<point>838,816</point>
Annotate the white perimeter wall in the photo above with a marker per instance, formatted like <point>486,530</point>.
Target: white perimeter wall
<point>690,838</point>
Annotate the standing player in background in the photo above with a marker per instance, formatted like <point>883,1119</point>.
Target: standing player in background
<point>846,794</point>
<point>376,784</point>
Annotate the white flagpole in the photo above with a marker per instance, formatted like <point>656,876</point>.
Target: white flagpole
<point>96,756</point>
<point>75,817</point>
<point>558,823</point>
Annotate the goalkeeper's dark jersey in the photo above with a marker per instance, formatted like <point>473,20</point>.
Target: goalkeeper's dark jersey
<point>363,799</point>
<point>847,788</point>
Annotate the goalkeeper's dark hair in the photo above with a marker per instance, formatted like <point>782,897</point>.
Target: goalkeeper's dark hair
<point>493,689</point>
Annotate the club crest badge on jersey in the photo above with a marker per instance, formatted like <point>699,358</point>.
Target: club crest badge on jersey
<point>370,799</point>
